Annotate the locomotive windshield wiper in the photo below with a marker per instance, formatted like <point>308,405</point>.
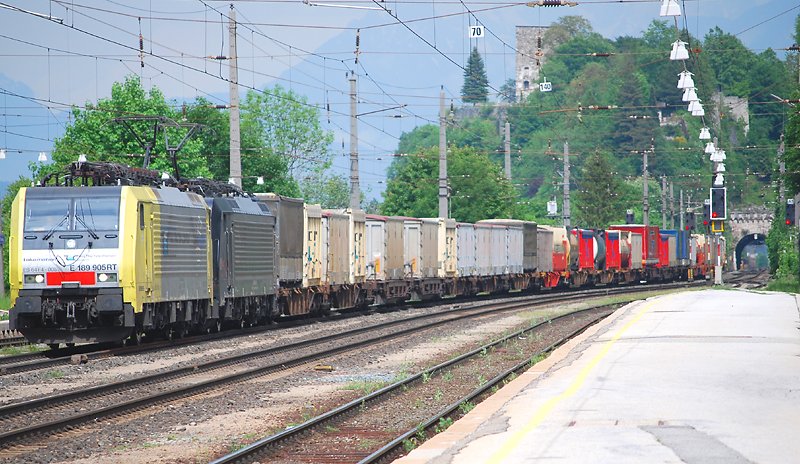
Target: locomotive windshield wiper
<point>88,229</point>
<point>53,230</point>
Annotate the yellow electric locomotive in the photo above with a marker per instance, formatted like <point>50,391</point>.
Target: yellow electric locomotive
<point>104,263</point>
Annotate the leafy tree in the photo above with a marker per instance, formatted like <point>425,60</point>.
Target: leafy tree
<point>287,126</point>
<point>508,91</point>
<point>476,84</point>
<point>95,134</point>
<point>479,190</point>
<point>565,29</point>
<point>598,200</point>
<point>329,190</point>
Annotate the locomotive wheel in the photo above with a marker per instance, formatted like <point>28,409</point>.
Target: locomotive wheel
<point>70,345</point>
<point>217,326</point>
<point>135,338</point>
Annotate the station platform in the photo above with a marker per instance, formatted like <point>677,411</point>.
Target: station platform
<point>710,376</point>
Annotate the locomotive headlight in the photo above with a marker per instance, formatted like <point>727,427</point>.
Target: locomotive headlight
<point>106,277</point>
<point>39,278</point>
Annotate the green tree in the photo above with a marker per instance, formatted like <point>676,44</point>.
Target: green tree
<point>288,126</point>
<point>329,190</point>
<point>508,91</point>
<point>95,134</point>
<point>476,84</point>
<point>478,188</point>
<point>598,200</point>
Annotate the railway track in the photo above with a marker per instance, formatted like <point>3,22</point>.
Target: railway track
<point>35,419</point>
<point>745,279</point>
<point>344,420</point>
<point>46,359</point>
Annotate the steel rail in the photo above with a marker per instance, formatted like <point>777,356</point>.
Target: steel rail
<point>12,436</point>
<point>395,445</point>
<point>248,453</point>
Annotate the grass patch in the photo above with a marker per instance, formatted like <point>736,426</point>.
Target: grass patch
<point>368,444</point>
<point>23,349</point>
<point>54,374</point>
<point>787,284</point>
<point>5,303</point>
<point>365,387</point>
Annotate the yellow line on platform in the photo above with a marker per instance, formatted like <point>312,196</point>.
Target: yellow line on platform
<point>501,456</point>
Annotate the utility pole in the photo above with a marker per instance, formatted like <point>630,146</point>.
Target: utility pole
<point>645,193</point>
<point>782,167</point>
<point>663,202</point>
<point>680,211</point>
<point>2,243</point>
<point>671,206</point>
<point>355,191</point>
<point>567,221</point>
<point>443,190</point>
<point>235,169</point>
<point>508,150</point>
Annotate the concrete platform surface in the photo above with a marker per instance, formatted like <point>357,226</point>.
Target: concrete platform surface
<point>709,376</point>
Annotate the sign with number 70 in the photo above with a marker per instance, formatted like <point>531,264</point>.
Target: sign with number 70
<point>476,32</point>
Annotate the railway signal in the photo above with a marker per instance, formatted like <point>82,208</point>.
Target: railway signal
<point>629,216</point>
<point>706,212</point>
<point>690,220</point>
<point>790,212</point>
<point>719,208</point>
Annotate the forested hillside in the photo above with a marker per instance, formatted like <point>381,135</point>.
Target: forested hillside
<point>612,99</point>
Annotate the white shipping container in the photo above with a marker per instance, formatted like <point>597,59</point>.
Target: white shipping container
<point>483,248</point>
<point>544,252</point>
<point>636,250</point>
<point>499,247</point>
<point>515,241</point>
<point>465,235</point>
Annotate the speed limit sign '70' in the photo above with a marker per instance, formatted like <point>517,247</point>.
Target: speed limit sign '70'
<point>476,32</point>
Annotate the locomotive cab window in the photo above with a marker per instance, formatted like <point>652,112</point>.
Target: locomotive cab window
<point>44,215</point>
<point>97,213</point>
<point>72,214</point>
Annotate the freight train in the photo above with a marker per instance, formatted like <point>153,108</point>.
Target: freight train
<point>105,258</point>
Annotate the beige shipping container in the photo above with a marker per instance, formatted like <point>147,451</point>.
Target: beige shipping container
<point>384,247</point>
<point>358,245</point>
<point>336,247</point>
<point>376,247</point>
<point>446,246</point>
<point>412,248</point>
<point>312,252</point>
<point>430,248</point>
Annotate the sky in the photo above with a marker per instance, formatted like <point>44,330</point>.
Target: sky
<point>60,53</point>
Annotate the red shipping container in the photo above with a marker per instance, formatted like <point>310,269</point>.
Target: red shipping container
<point>613,256</point>
<point>586,248</point>
<point>650,241</point>
<point>663,251</point>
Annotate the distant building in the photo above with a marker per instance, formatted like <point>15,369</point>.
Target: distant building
<point>530,58</point>
<point>736,108</point>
